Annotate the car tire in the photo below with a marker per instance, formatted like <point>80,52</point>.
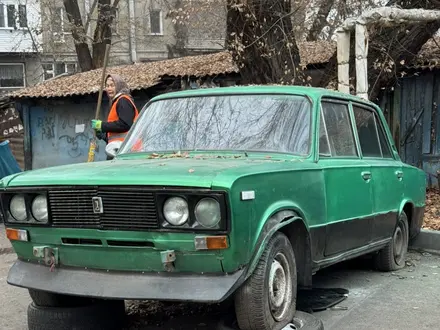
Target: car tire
<point>393,256</point>
<point>49,299</point>
<point>301,321</point>
<point>105,315</point>
<point>267,300</point>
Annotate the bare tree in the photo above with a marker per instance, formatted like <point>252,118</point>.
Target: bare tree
<point>261,38</point>
<point>320,21</point>
<point>91,59</point>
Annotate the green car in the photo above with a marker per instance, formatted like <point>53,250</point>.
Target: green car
<point>238,192</point>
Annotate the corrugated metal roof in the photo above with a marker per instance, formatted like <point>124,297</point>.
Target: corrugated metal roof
<point>429,56</point>
<point>145,75</point>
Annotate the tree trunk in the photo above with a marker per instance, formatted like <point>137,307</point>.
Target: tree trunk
<point>178,49</point>
<point>79,35</point>
<point>103,31</point>
<point>261,40</point>
<point>320,21</point>
<point>403,51</point>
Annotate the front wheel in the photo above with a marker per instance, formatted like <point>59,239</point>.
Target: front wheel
<point>49,299</point>
<point>393,256</point>
<point>267,300</point>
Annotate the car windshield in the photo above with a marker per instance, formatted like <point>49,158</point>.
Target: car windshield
<point>267,123</point>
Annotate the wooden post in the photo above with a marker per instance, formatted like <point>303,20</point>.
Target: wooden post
<point>94,141</point>
<point>27,138</point>
<point>343,53</point>
<point>361,51</point>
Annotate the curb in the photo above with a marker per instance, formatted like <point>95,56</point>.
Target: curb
<point>426,240</point>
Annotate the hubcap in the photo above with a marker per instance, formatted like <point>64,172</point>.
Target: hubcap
<point>280,287</point>
<point>399,245</point>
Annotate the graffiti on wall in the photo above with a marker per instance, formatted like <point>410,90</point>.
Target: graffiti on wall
<point>61,135</point>
<point>77,143</point>
<point>47,127</point>
<point>10,123</point>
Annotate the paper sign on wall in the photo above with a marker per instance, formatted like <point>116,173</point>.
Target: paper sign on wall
<point>79,128</point>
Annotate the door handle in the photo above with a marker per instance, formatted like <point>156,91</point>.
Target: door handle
<point>399,174</point>
<point>366,175</point>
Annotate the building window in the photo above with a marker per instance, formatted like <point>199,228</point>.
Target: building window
<point>60,24</point>
<point>12,16</point>
<point>156,21</point>
<point>22,16</point>
<point>52,70</point>
<point>12,75</point>
<point>2,15</point>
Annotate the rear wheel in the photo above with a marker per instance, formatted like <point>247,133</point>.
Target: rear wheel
<point>267,300</point>
<point>393,256</point>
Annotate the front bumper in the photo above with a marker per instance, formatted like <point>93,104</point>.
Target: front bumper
<point>125,285</point>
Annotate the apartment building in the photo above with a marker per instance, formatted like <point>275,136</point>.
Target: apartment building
<point>19,47</point>
<point>142,30</point>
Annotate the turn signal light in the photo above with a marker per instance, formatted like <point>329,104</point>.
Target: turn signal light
<point>17,234</point>
<point>211,242</point>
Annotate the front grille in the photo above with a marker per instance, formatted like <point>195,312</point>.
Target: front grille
<point>123,209</point>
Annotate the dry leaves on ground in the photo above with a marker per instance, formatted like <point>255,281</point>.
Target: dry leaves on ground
<point>432,211</point>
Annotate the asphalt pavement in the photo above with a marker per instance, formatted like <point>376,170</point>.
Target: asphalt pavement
<point>405,299</point>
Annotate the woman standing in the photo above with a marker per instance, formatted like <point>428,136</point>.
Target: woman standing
<point>123,111</point>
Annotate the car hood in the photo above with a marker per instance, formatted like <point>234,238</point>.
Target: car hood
<point>187,172</point>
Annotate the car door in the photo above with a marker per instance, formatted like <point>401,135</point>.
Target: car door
<point>348,191</point>
<point>386,171</point>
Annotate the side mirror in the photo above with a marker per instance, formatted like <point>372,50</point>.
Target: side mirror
<point>112,148</point>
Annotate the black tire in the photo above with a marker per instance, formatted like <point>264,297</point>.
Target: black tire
<point>253,305</point>
<point>106,315</point>
<point>49,299</point>
<point>301,321</point>
<point>393,256</point>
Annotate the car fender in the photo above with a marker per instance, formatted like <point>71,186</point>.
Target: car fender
<point>277,216</point>
<point>402,205</point>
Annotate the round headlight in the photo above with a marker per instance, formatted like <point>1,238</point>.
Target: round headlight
<point>208,212</point>
<point>39,208</point>
<point>175,211</point>
<point>17,207</point>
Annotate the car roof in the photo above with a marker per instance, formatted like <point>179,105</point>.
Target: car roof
<point>313,92</point>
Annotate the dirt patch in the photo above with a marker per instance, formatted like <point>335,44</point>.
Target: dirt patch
<point>154,315</point>
<point>432,210</point>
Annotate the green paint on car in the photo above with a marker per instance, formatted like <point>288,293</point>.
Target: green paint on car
<point>291,179</point>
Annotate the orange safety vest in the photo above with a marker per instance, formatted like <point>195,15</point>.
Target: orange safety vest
<point>113,116</point>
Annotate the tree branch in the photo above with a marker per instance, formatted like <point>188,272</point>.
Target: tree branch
<point>321,20</point>
<point>79,35</point>
<point>89,15</point>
